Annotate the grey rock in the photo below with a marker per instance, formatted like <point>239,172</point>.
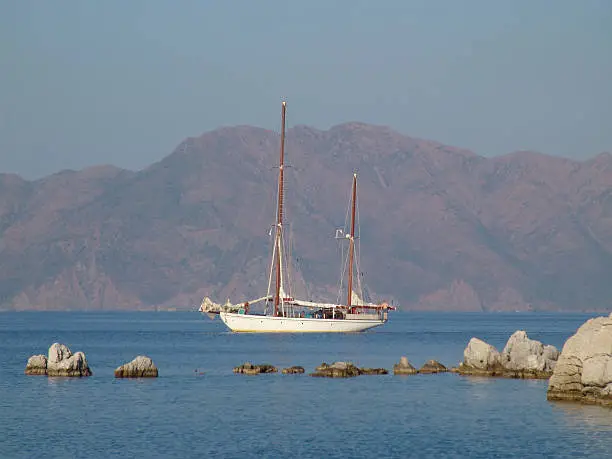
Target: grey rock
<point>433,366</point>
<point>583,372</point>
<point>481,355</point>
<point>293,370</point>
<point>249,369</point>
<point>37,365</point>
<point>60,362</point>
<point>524,354</point>
<point>141,367</point>
<point>336,370</point>
<point>404,367</point>
<point>374,371</point>
<point>57,353</point>
<point>521,358</point>
<point>75,366</point>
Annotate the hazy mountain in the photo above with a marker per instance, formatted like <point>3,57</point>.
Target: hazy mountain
<point>441,228</point>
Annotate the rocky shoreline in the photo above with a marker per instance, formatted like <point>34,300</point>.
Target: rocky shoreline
<point>581,372</point>
<point>584,370</point>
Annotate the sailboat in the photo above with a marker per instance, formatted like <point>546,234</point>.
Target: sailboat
<point>282,312</point>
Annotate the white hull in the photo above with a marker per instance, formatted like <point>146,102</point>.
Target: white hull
<point>269,324</point>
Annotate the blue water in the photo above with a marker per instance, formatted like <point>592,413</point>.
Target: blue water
<point>184,413</point>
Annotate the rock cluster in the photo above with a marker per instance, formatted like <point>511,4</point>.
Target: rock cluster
<point>404,367</point>
<point>433,366</point>
<point>584,370</point>
<point>374,371</point>
<point>140,367</point>
<point>430,367</point>
<point>250,369</point>
<point>59,362</point>
<point>293,370</point>
<point>345,370</point>
<point>521,358</point>
<point>336,370</point>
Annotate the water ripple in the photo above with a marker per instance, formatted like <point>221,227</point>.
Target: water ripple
<point>218,414</point>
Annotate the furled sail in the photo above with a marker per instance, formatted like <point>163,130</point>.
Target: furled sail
<point>356,300</point>
<point>210,306</point>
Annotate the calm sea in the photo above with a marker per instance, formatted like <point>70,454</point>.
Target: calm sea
<point>199,408</point>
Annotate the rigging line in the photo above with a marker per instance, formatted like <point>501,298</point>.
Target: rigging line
<point>344,261</point>
<point>281,290</point>
<point>273,229</point>
<point>341,252</point>
<point>271,241</point>
<point>271,270</point>
<point>344,266</point>
<point>279,228</point>
<point>287,245</point>
<point>267,199</point>
<point>275,246</point>
<point>358,257</point>
<point>287,249</point>
<point>289,261</point>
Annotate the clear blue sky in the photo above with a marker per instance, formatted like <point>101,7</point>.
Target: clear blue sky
<point>123,82</point>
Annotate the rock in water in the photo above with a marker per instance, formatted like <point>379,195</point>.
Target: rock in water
<point>480,359</point>
<point>521,358</point>
<point>250,369</point>
<point>433,366</point>
<point>75,365</point>
<point>374,371</point>
<point>37,365</point>
<point>528,358</point>
<point>58,352</point>
<point>481,355</point>
<point>141,367</point>
<point>61,362</point>
<point>336,370</point>
<point>584,370</point>
<point>404,367</point>
<point>293,370</point>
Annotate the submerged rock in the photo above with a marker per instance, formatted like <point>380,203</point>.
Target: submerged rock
<point>250,369</point>
<point>336,370</point>
<point>37,365</point>
<point>60,362</point>
<point>374,371</point>
<point>583,372</point>
<point>521,358</point>
<point>404,367</point>
<point>293,370</point>
<point>141,367</point>
<point>433,366</point>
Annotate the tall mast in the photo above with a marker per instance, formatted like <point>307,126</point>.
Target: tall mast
<point>352,243</point>
<point>279,212</point>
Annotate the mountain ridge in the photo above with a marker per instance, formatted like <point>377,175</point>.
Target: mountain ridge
<point>443,228</point>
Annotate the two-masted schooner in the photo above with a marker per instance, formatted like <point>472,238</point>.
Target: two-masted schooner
<point>283,313</point>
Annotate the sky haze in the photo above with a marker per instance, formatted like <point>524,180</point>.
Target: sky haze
<point>123,83</point>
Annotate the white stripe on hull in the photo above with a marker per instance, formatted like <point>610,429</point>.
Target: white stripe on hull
<point>269,324</point>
